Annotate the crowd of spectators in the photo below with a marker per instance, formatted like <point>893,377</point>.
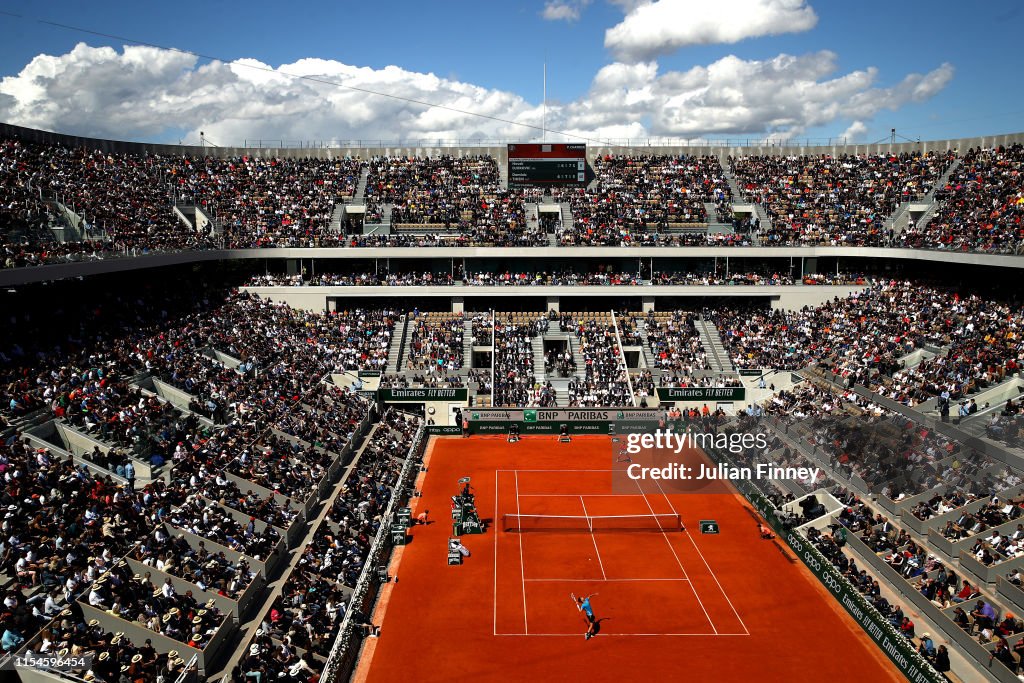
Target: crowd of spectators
<point>123,202</point>
<point>448,193</point>
<point>435,343</point>
<point>600,277</point>
<point>831,546</point>
<point>515,380</point>
<point>864,337</point>
<point>24,216</point>
<point>835,200</point>
<point>307,615</point>
<point>66,525</point>
<point>481,329</point>
<point>636,198</point>
<point>420,279</point>
<point>892,455</point>
<point>675,344</point>
<point>604,381</point>
<point>267,201</point>
<point>980,207</point>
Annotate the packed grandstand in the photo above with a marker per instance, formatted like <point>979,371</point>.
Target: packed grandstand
<point>203,455</point>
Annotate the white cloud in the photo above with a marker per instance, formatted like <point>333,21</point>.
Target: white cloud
<point>855,132</point>
<point>785,95</point>
<point>153,94</point>
<point>660,27</point>
<point>141,93</point>
<point>563,10</point>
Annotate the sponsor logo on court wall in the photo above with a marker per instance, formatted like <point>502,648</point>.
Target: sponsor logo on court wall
<point>419,395</point>
<point>701,393</point>
<point>652,415</point>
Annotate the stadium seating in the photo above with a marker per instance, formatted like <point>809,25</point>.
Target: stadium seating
<point>122,204</point>
<point>980,207</point>
<point>841,200</point>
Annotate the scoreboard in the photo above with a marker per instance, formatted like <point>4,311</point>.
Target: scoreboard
<point>547,165</point>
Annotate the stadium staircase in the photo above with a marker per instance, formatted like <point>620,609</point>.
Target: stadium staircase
<point>738,196</point>
<point>70,221</point>
<point>339,209</point>
<point>897,220</point>
<point>191,215</point>
<point>560,384</point>
<point>927,216</point>
<point>537,343</point>
<point>715,227</point>
<point>765,223</point>
<point>384,227</point>
<point>503,175</point>
<point>933,204</point>
<point>718,357</point>
<point>733,185</point>
<point>900,221</point>
<point>920,355</point>
<point>532,214</point>
<point>646,355</point>
<point>467,346</point>
<point>567,219</point>
<point>397,344</point>
<point>225,359</point>
<point>943,179</point>
<point>622,358</point>
<point>359,197</point>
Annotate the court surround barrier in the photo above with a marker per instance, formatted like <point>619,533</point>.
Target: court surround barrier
<point>575,420</point>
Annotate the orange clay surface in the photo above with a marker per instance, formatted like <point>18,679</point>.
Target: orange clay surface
<point>672,606</point>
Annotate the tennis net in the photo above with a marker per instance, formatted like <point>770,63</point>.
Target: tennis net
<point>590,523</point>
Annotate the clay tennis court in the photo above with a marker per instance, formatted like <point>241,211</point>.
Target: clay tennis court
<point>672,603</point>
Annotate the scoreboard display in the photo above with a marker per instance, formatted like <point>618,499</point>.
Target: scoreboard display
<point>547,165</point>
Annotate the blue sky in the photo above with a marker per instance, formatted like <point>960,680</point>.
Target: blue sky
<point>490,57</point>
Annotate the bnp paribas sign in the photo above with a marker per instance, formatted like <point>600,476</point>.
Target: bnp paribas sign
<point>579,414</point>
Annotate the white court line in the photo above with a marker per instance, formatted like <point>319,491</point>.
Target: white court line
<point>522,561</point>
<point>621,635</point>
<point>555,470</point>
<point>724,594</point>
<point>593,539</point>
<point>606,581</point>
<point>673,549</point>
<point>495,531</point>
<point>573,495</point>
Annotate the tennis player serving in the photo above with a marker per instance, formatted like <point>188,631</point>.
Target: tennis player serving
<point>583,605</point>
